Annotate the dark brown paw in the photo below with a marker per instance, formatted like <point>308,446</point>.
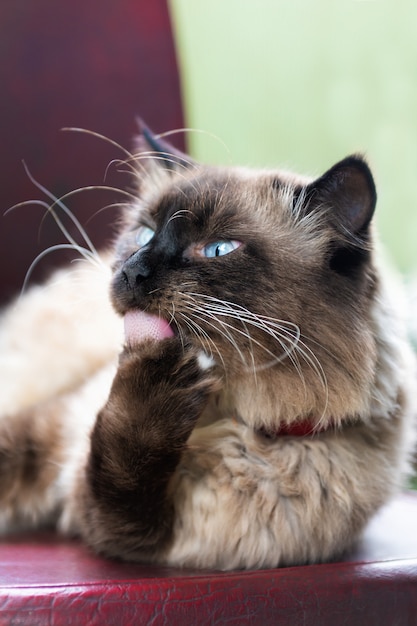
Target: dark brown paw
<point>166,382</point>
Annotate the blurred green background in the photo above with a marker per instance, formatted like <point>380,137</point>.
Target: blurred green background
<point>303,83</point>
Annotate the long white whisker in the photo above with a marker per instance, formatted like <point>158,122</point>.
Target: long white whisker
<point>259,322</point>
<point>179,213</point>
<point>59,203</point>
<point>223,331</point>
<point>62,246</point>
<point>123,192</point>
<point>113,205</point>
<point>99,135</point>
<point>118,162</point>
<point>90,254</point>
<point>232,307</point>
<point>245,334</point>
<point>155,156</point>
<point>169,157</point>
<point>20,205</point>
<point>196,131</point>
<point>199,332</point>
<point>166,157</point>
<point>216,310</point>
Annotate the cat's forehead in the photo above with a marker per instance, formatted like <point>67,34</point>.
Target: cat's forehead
<point>207,191</point>
<point>200,193</point>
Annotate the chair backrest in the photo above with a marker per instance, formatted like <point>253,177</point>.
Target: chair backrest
<point>95,65</point>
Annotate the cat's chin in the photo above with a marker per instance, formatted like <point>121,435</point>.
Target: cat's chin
<point>140,326</point>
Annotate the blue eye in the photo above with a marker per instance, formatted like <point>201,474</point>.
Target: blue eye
<point>143,236</point>
<point>219,248</point>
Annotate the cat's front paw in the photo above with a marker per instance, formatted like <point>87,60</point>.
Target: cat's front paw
<point>159,362</point>
<point>165,381</point>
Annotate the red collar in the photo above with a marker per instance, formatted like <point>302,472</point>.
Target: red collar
<point>302,428</point>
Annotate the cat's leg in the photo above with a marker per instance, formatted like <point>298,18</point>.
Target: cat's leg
<point>124,504</point>
<point>30,457</point>
<point>55,336</point>
<point>41,450</point>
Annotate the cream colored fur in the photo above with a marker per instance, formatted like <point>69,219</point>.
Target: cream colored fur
<point>56,335</point>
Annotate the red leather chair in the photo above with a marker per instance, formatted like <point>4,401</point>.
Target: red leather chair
<point>97,65</point>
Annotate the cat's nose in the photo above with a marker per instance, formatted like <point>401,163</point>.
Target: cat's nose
<point>136,269</point>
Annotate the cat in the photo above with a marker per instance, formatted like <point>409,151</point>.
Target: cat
<point>256,407</point>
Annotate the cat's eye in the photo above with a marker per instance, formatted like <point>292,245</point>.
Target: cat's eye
<point>143,236</point>
<point>219,248</point>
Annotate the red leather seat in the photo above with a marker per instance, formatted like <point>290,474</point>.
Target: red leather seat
<point>47,580</point>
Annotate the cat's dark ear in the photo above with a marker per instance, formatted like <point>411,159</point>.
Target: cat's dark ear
<point>347,193</point>
<point>156,152</point>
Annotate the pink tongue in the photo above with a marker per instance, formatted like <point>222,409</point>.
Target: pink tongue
<point>140,326</point>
